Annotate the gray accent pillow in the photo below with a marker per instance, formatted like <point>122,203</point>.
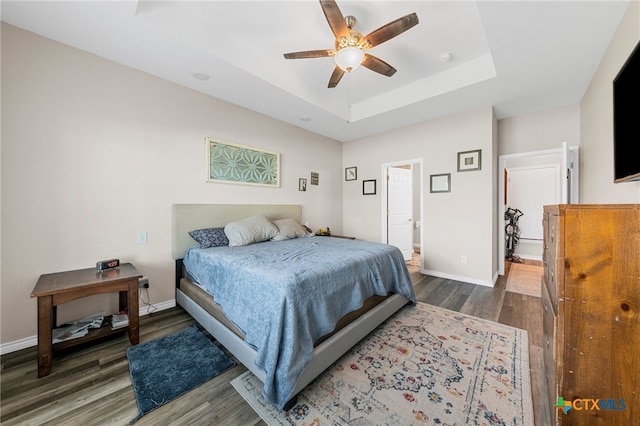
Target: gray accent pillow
<point>210,237</point>
<point>254,229</point>
<point>288,229</point>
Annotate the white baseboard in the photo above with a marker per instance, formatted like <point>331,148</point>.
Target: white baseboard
<point>149,309</point>
<point>28,342</point>
<point>16,345</point>
<point>458,278</point>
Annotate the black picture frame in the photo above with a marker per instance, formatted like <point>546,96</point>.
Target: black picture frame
<point>369,187</point>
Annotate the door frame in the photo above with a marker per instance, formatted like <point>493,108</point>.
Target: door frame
<point>385,187</point>
<point>570,174</point>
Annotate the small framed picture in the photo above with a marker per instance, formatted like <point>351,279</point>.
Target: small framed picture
<point>302,184</point>
<point>315,178</point>
<point>351,173</point>
<point>369,187</point>
<point>470,160</point>
<point>441,182</point>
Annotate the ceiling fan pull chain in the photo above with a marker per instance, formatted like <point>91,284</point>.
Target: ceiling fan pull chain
<point>348,97</point>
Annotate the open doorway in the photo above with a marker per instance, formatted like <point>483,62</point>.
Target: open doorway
<point>527,182</point>
<point>402,207</point>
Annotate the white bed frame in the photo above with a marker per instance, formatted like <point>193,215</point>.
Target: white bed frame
<point>187,217</point>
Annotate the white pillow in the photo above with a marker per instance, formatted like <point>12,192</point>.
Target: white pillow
<point>254,229</point>
<point>288,229</point>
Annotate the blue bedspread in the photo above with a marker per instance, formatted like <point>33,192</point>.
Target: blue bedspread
<point>284,295</point>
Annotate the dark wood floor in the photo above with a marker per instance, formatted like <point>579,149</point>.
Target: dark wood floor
<point>91,385</point>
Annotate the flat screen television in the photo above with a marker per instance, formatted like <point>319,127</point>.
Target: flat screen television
<point>626,120</point>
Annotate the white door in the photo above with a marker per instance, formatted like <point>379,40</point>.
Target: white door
<point>400,210</point>
<point>530,188</point>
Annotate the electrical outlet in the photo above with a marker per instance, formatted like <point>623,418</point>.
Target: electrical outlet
<point>143,282</point>
<point>463,259</point>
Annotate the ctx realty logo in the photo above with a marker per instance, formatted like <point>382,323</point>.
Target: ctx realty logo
<point>590,404</point>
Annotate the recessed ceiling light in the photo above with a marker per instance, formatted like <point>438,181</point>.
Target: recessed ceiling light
<point>201,76</point>
<point>445,57</point>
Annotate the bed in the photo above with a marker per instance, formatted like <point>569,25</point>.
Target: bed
<point>285,309</point>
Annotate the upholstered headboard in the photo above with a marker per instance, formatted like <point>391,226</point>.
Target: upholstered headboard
<point>187,217</point>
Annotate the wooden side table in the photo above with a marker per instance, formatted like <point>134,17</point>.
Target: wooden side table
<point>57,288</point>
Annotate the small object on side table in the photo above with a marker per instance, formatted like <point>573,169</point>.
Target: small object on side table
<point>327,233</point>
<point>103,265</point>
<point>324,232</point>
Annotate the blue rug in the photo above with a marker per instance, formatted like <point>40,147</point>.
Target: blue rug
<point>163,369</point>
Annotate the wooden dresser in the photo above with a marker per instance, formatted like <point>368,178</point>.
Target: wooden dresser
<point>591,313</point>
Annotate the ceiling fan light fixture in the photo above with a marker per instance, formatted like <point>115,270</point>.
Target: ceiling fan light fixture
<point>350,45</point>
<point>349,58</point>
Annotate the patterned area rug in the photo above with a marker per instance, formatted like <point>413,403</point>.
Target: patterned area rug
<point>424,366</point>
<point>525,279</point>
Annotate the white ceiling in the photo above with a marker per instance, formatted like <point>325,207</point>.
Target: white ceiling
<point>519,56</point>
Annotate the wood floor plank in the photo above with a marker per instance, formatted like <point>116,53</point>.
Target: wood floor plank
<point>484,302</point>
<point>90,385</point>
<point>524,312</point>
<point>541,407</point>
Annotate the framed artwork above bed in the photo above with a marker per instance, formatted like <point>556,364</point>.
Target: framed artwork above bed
<point>228,162</point>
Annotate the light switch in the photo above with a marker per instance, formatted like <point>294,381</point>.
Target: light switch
<point>142,238</point>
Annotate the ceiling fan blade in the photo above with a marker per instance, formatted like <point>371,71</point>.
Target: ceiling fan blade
<point>335,77</point>
<point>334,18</point>
<point>389,30</point>
<point>378,65</point>
<point>323,53</point>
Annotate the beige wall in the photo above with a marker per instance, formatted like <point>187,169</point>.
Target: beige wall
<point>596,112</point>
<point>94,152</point>
<point>540,130</point>
<point>458,223</point>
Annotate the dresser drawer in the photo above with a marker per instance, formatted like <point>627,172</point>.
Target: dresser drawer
<point>549,344</point>
<point>551,235</point>
<point>549,323</point>
<point>551,256</point>
<point>551,281</point>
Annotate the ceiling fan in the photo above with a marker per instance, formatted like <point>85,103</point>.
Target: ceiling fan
<point>351,46</point>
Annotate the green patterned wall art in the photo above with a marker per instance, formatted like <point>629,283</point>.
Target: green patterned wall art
<point>231,163</point>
